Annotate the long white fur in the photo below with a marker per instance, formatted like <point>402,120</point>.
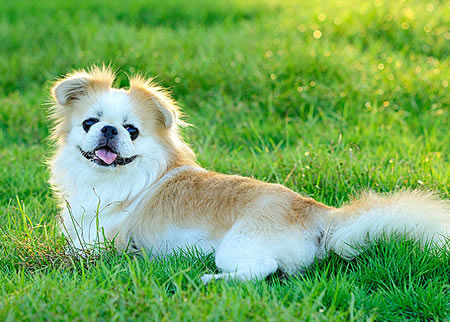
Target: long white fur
<point>420,215</point>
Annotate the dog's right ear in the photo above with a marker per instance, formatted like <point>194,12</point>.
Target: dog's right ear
<point>81,83</point>
<point>70,89</point>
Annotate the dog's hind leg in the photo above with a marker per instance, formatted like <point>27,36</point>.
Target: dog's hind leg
<point>255,270</point>
<point>250,250</point>
<point>243,255</point>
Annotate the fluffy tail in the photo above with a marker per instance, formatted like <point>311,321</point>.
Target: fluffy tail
<point>417,214</point>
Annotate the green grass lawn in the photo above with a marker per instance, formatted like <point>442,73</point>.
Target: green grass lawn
<point>325,97</point>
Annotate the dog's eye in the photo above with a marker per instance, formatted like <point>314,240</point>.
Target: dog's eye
<point>134,132</point>
<point>88,123</point>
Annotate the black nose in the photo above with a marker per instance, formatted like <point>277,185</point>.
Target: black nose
<point>109,131</point>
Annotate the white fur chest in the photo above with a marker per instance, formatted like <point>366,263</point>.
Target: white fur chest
<point>95,201</point>
<point>94,215</point>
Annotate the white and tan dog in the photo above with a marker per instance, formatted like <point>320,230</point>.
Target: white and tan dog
<point>127,175</point>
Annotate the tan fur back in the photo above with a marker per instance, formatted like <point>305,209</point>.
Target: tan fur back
<point>216,201</point>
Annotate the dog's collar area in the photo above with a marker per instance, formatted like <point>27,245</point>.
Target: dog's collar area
<point>118,161</point>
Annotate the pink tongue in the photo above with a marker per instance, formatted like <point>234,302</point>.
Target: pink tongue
<point>106,156</point>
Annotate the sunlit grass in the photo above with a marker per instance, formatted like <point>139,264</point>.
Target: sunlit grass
<point>325,97</point>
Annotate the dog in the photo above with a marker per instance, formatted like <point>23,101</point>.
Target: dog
<point>123,173</point>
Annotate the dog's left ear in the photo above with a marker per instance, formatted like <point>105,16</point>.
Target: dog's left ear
<point>80,83</point>
<point>167,108</point>
<point>159,99</point>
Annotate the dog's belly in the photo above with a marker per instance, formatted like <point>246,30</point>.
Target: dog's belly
<point>175,238</point>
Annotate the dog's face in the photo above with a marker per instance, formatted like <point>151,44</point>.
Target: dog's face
<point>107,129</point>
<point>100,127</point>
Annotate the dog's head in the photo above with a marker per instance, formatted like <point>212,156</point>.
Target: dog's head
<point>103,127</point>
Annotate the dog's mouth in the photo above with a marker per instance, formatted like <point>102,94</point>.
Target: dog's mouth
<point>105,156</point>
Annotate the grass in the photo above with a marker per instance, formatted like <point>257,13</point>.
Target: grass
<point>326,97</point>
